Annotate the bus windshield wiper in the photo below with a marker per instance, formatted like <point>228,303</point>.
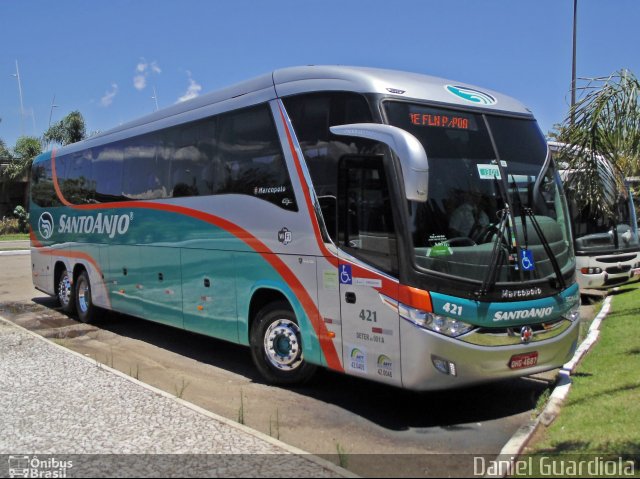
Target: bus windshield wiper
<point>547,248</point>
<point>526,211</point>
<point>498,253</point>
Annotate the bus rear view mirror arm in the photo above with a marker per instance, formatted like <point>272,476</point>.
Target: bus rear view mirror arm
<point>413,159</point>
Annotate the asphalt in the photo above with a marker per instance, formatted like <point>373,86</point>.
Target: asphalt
<point>15,245</point>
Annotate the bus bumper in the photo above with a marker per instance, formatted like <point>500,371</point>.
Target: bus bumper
<point>471,364</point>
<point>612,271</point>
<point>604,280</point>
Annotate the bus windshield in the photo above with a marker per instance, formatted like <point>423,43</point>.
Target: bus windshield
<point>455,232</point>
<point>597,234</point>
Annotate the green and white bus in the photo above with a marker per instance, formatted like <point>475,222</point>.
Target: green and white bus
<point>388,225</point>
<point>607,248</point>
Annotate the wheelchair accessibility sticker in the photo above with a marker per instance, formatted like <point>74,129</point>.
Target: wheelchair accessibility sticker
<point>346,277</point>
<point>526,260</point>
<point>345,274</point>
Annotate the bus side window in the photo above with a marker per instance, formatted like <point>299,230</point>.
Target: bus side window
<point>251,157</point>
<point>311,115</point>
<point>75,177</point>
<point>42,190</point>
<point>107,171</point>
<point>142,177</point>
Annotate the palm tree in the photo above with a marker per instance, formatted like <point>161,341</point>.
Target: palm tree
<point>68,130</point>
<point>603,140</point>
<point>26,149</point>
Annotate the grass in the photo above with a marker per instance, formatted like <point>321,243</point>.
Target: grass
<point>241,409</point>
<point>181,389</point>
<point>343,456</point>
<point>601,416</point>
<point>542,401</point>
<point>274,429</point>
<point>14,237</point>
<point>135,373</point>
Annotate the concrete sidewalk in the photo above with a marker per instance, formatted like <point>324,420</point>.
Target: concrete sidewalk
<point>56,402</point>
<point>13,245</point>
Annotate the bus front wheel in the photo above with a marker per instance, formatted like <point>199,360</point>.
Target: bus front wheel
<point>276,346</point>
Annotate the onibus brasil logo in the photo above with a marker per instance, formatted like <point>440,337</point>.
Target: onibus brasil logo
<point>102,224</point>
<point>469,94</point>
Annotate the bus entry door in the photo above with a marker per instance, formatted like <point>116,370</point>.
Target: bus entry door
<point>370,328</point>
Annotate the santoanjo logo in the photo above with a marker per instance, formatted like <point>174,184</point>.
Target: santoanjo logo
<point>523,314</point>
<point>45,225</point>
<point>109,225</point>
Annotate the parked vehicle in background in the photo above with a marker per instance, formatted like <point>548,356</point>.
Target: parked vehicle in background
<point>607,248</point>
<point>388,225</point>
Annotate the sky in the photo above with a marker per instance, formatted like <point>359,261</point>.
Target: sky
<point>104,58</point>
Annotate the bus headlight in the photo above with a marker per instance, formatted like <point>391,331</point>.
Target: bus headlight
<point>433,322</point>
<point>591,270</point>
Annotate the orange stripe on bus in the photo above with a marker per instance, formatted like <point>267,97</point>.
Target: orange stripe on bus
<point>307,195</point>
<point>310,308</point>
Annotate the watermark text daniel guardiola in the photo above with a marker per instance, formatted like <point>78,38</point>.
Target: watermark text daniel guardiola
<point>554,466</point>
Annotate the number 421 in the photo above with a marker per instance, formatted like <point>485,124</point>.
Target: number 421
<point>453,309</point>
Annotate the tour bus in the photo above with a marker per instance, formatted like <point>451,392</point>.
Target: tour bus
<point>387,225</point>
<point>607,249</point>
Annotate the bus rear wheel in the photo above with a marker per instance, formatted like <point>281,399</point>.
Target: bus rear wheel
<point>65,292</point>
<point>86,310</point>
<point>276,346</point>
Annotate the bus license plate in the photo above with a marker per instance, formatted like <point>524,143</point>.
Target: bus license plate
<point>522,361</point>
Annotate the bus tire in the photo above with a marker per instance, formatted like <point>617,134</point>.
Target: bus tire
<point>86,310</point>
<point>65,292</point>
<point>276,346</point>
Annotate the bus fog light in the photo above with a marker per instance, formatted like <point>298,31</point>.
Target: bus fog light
<point>444,366</point>
<point>573,315</point>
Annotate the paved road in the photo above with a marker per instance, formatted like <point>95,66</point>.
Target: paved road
<point>62,404</point>
<point>13,245</point>
<point>379,430</point>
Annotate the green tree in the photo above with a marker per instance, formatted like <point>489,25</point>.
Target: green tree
<point>24,152</point>
<point>70,129</point>
<point>26,149</point>
<point>602,143</point>
<point>5,154</point>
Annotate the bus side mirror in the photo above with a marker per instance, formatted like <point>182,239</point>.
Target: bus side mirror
<point>413,159</point>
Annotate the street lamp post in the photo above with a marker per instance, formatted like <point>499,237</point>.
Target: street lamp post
<point>155,97</point>
<point>17,75</point>
<point>52,107</point>
<point>573,63</point>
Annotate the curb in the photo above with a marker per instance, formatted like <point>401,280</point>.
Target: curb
<point>14,252</point>
<point>514,447</point>
<point>228,422</point>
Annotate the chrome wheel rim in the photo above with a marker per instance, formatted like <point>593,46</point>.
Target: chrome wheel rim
<point>64,289</point>
<point>282,345</point>
<point>84,295</point>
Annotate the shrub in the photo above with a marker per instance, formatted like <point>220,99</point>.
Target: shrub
<point>23,218</point>
<point>9,226</point>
